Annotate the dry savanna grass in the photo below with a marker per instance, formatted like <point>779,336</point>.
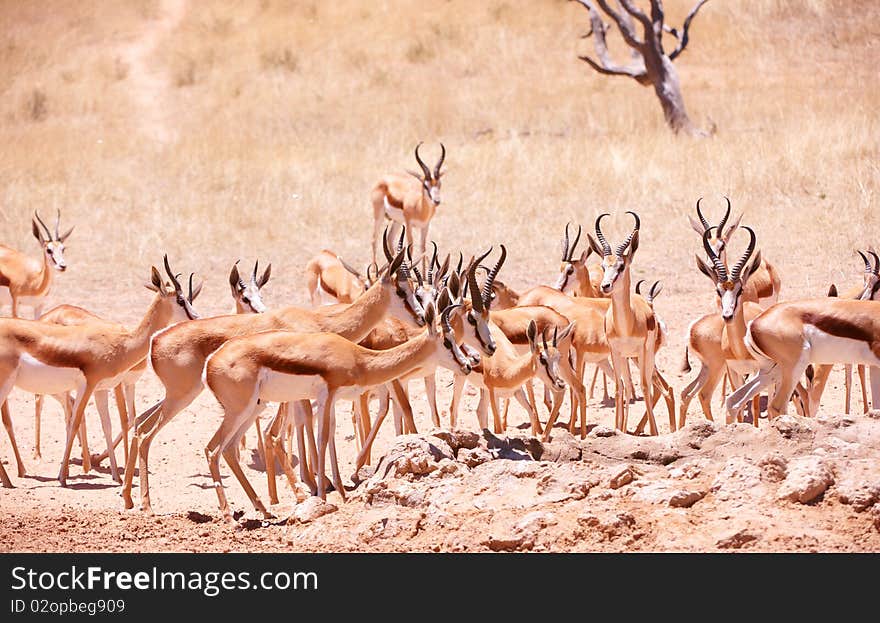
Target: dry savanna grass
<point>219,130</point>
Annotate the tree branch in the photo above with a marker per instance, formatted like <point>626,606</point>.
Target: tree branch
<point>625,26</point>
<point>605,64</point>
<point>637,13</point>
<point>683,39</point>
<point>615,70</point>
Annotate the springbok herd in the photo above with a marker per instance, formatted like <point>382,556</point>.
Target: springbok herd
<point>367,335</point>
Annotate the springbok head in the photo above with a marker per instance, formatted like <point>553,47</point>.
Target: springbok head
<point>172,294</point>
<point>729,286</point>
<point>720,239</point>
<point>405,305</point>
<point>615,263</point>
<point>548,354</point>
<point>430,179</point>
<point>570,263</point>
<point>481,300</point>
<point>53,244</point>
<point>247,294</point>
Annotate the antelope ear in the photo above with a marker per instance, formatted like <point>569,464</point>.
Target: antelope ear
<point>756,262</point>
<point>155,280</point>
<point>706,269</point>
<point>531,334</point>
<point>565,332</point>
<point>66,235</point>
<point>585,254</point>
<point>430,312</point>
<point>36,230</point>
<point>595,246</point>
<point>454,286</point>
<point>196,291</point>
<point>732,228</point>
<point>633,246</point>
<point>695,224</point>
<point>443,300</point>
<point>265,277</point>
<point>832,291</point>
<point>234,277</point>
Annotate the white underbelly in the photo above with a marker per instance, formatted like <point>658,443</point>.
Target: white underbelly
<point>36,377</point>
<point>281,387</point>
<point>395,214</point>
<point>827,348</point>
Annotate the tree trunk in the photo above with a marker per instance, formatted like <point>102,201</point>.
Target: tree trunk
<point>664,78</point>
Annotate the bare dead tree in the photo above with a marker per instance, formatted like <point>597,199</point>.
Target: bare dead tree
<point>649,63</point>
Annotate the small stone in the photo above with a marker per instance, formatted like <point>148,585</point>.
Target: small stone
<point>736,541</point>
<point>197,517</point>
<point>808,478</point>
<point>774,467</point>
<point>686,499</point>
<point>621,478</point>
<point>312,509</point>
<point>790,426</point>
<point>603,431</point>
<point>474,456</point>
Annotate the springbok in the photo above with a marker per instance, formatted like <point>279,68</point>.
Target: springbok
<point>630,324</point>
<point>284,366</point>
<point>331,280</point>
<point>764,284</point>
<point>178,355</point>
<point>400,200</point>
<point>717,339</point>
<point>26,280</point>
<point>868,291</point>
<point>247,296</point>
<point>575,277</point>
<point>43,358</point>
<point>788,337</point>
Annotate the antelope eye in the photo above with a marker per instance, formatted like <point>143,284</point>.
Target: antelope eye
<point>49,251</point>
<point>179,300</point>
<point>542,359</point>
<point>471,319</point>
<point>245,300</point>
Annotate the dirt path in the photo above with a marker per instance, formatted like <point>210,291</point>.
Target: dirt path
<point>148,85</point>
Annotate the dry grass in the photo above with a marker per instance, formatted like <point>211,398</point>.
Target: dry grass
<point>277,116</point>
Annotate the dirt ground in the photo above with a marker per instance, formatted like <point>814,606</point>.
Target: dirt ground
<point>215,131</point>
<point>478,492</point>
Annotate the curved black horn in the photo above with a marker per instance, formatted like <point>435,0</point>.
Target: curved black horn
<point>574,244</point>
<point>430,275</point>
<point>702,218</point>
<point>256,266</point>
<point>720,268</point>
<point>606,248</point>
<point>490,280</point>
<point>477,300</point>
<point>565,243</point>
<point>544,337</point>
<point>623,245</point>
<point>737,269</point>
<point>171,274</point>
<point>876,257</point>
<point>191,275</point>
<point>425,169</point>
<point>444,317</point>
<point>724,220</point>
<point>866,261</point>
<point>440,162</point>
<point>40,221</point>
<point>639,286</point>
<point>413,266</point>
<point>385,246</point>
